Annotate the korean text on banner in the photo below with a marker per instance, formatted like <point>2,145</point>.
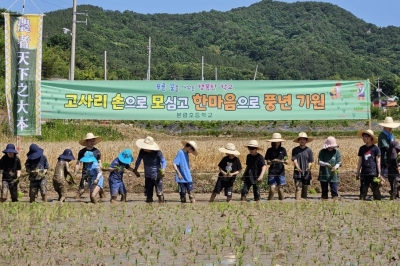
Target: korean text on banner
<point>23,58</point>
<point>206,100</point>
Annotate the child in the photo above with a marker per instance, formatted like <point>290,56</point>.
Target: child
<point>36,165</point>
<point>154,167</point>
<point>94,175</point>
<point>329,160</point>
<point>369,162</point>
<point>276,157</point>
<point>61,172</point>
<point>302,157</point>
<point>229,167</point>
<point>10,165</point>
<point>115,180</point>
<point>182,168</point>
<point>255,170</point>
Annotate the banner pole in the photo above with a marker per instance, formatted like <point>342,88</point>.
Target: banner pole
<point>369,113</point>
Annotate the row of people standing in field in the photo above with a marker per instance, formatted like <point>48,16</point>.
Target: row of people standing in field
<point>371,168</point>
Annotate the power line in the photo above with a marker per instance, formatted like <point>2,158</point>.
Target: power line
<point>53,4</point>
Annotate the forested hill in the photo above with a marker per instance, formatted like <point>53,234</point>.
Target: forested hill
<point>304,40</point>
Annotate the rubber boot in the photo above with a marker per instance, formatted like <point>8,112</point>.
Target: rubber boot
<point>113,199</point>
<point>281,193</point>
<point>212,198</point>
<point>376,193</point>
<point>123,198</point>
<point>191,198</point>
<point>183,199</point>
<point>271,193</point>
<point>102,194</point>
<point>392,196</point>
<point>93,200</point>
<point>228,199</point>
<point>161,199</point>
<point>243,198</point>
<point>364,193</point>
<point>304,191</point>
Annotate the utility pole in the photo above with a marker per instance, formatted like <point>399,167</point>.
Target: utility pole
<point>73,39</point>
<point>216,74</point>
<point>379,94</point>
<point>105,65</point>
<point>149,60</point>
<point>202,68</point>
<point>255,73</point>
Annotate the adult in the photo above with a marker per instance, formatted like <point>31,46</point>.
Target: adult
<point>393,168</point>
<point>36,165</point>
<point>384,139</point>
<point>329,160</point>
<point>10,166</point>
<point>88,141</point>
<point>276,157</point>
<point>369,166</point>
<point>302,157</point>
<point>254,172</point>
<point>154,167</point>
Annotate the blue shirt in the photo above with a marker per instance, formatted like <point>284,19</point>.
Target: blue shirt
<point>116,176</point>
<point>153,161</point>
<point>93,169</point>
<point>182,162</point>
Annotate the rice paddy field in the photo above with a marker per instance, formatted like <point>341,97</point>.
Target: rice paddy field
<point>311,232</point>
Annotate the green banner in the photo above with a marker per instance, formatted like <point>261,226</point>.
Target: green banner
<point>206,100</point>
<point>23,57</point>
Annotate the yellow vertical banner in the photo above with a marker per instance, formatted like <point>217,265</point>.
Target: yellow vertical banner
<point>23,58</point>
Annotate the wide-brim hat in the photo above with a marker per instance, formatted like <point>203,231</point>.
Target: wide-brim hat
<point>303,135</point>
<point>254,144</point>
<point>34,152</point>
<point>330,142</point>
<point>88,157</point>
<point>360,84</point>
<point>125,156</point>
<point>67,155</point>
<point>368,132</point>
<point>147,144</point>
<point>191,143</point>
<point>10,148</point>
<point>388,122</point>
<point>90,136</point>
<point>276,137</point>
<point>229,149</point>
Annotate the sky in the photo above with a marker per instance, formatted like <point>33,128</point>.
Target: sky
<point>379,12</point>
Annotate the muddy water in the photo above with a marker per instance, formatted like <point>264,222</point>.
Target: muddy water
<point>347,232</point>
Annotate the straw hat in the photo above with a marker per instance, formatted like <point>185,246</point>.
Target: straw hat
<point>303,135</point>
<point>97,139</point>
<point>147,144</point>
<point>388,122</point>
<point>368,132</point>
<point>191,143</point>
<point>229,149</point>
<point>253,143</point>
<point>276,137</point>
<point>330,142</point>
